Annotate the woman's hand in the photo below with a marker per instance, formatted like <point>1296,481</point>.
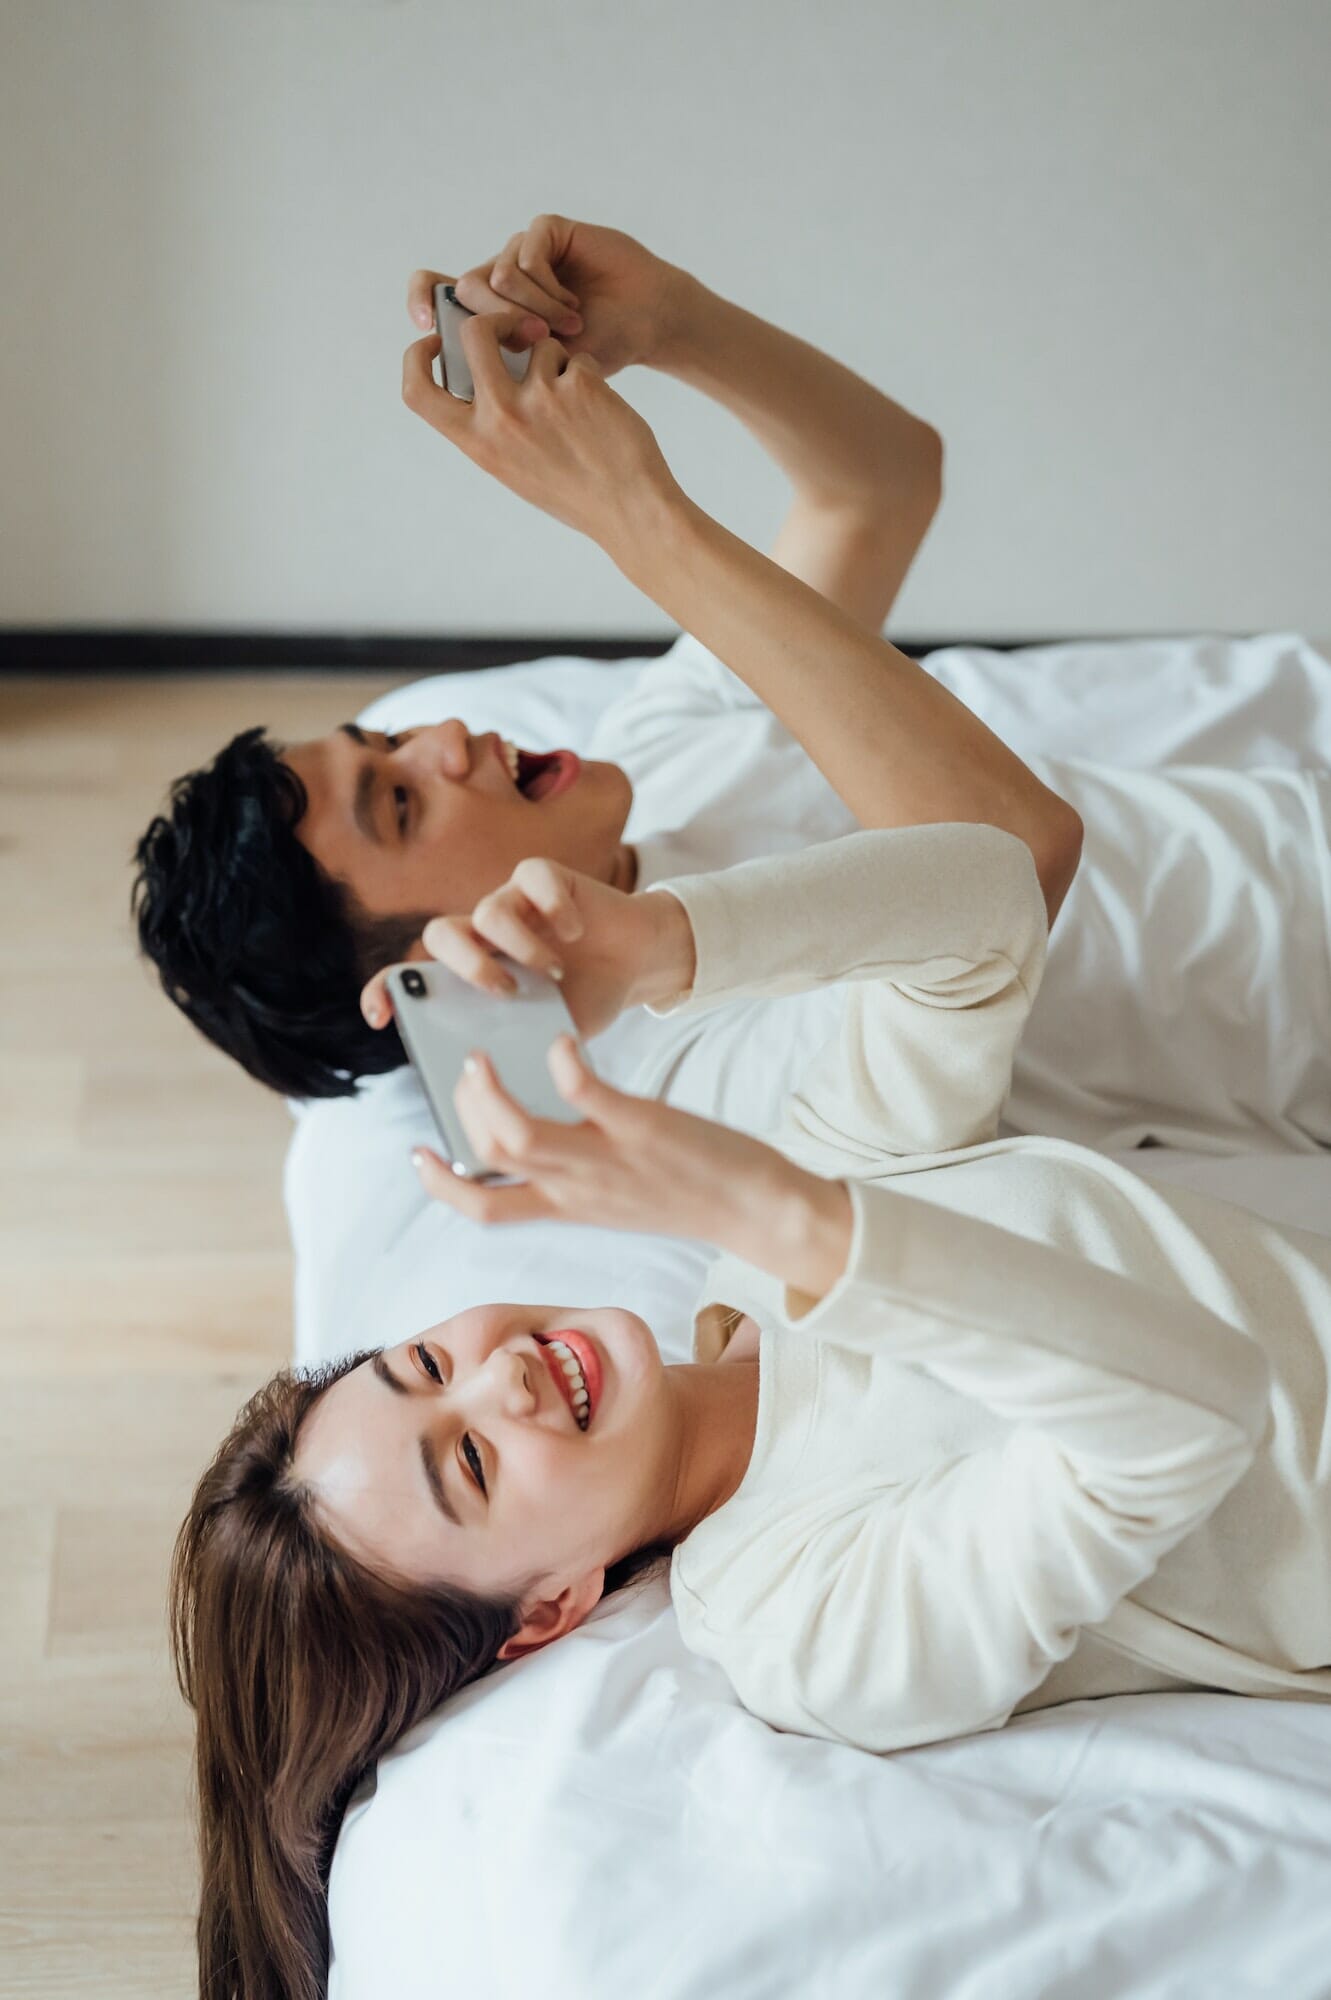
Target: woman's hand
<point>561,439</point>
<point>602,292</point>
<point>608,950</point>
<point>634,1163</point>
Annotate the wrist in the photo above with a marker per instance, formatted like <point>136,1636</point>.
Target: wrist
<point>679,319</point>
<point>649,535</point>
<point>798,1229</point>
<point>669,959</point>
<point>813,1247</point>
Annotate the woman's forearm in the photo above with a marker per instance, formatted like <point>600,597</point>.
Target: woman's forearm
<point>833,434</point>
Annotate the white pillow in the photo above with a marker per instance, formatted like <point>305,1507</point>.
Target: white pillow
<point>354,1204</point>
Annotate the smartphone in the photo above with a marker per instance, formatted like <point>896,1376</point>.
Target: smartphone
<point>448,318</point>
<point>441,1019</point>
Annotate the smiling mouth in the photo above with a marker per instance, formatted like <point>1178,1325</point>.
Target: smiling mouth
<point>567,1367</point>
<point>540,774</point>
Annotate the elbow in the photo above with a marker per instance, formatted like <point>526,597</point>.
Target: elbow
<point>1057,849</point>
<point>931,469</point>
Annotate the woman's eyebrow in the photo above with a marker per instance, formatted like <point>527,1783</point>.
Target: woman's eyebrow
<point>434,1478</point>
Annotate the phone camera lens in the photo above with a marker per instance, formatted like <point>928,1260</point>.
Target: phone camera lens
<point>413,983</point>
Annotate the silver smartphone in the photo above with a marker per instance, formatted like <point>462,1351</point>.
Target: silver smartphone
<point>449,316</point>
<point>441,1019</point>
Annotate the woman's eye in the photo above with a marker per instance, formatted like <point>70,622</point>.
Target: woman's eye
<point>473,1458</point>
<point>428,1363</point>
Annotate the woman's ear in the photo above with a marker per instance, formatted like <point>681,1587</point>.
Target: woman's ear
<point>547,1618</point>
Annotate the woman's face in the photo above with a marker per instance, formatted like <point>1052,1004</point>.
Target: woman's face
<point>459,1457</point>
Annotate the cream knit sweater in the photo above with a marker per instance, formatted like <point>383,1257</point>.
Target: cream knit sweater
<point>1055,1432</point>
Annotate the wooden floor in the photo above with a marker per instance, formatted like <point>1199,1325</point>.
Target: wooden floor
<point>144,1290</point>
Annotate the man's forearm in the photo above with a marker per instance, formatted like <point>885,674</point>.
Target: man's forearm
<point>897,746</point>
<point>834,435</point>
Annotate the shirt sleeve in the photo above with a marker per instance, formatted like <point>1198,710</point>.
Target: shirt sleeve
<point>938,931</point>
<point>929,1608</point>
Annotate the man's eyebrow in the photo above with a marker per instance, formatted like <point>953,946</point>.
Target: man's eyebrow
<point>362,803</point>
<point>433,1475</point>
<point>386,1375</point>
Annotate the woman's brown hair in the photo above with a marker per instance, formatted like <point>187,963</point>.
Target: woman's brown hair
<point>303,1667</point>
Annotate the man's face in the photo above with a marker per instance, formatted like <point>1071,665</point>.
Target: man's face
<point>433,819</point>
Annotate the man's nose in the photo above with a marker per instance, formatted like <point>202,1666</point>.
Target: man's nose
<point>441,751</point>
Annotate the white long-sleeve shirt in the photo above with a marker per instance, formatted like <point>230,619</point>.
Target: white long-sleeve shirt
<point>1054,1432</point>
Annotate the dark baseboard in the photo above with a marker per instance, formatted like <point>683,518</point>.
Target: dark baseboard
<point>97,650</point>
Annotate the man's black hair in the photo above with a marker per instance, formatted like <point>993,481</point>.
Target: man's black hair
<point>263,951</point>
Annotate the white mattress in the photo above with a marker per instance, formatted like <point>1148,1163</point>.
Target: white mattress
<point>603,1818</point>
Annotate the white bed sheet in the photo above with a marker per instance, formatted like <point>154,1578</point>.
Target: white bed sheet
<point>604,1818</point>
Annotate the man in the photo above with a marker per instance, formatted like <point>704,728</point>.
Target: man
<point>282,880</point>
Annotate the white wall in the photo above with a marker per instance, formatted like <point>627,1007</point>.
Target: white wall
<point>1086,240</point>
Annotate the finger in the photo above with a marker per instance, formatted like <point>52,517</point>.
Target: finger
<point>493,1121</point>
<point>476,1200</point>
<point>578,1085</point>
<point>480,299</point>
<point>508,1138</point>
<point>420,295</point>
<point>375,1001</point>
<point>545,885</point>
<point>541,246</point>
<point>510,283</point>
<point>456,945</point>
<point>423,395</point>
<point>482,336</point>
<point>548,360</point>
<point>519,931</point>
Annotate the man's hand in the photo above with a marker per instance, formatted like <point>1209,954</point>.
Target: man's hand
<point>604,294</point>
<point>562,439</point>
<point>607,949</point>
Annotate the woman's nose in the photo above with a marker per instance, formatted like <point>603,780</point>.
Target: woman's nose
<point>442,750</point>
<point>504,1383</point>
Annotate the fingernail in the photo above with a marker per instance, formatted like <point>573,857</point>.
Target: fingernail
<point>471,1066</point>
<point>418,1160</point>
<point>424,317</point>
<point>556,972</point>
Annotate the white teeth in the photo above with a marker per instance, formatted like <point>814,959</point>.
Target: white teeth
<point>568,1361</point>
<point>510,758</point>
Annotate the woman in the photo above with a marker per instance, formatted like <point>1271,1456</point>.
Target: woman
<point>973,1425</point>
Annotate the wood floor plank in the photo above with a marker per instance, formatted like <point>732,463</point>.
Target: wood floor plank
<point>146,1292</point>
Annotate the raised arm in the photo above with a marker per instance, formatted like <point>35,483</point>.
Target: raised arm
<point>865,474</point>
<point>896,746</point>
<point>892,742</point>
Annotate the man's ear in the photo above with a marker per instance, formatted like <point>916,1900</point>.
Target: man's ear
<point>547,1618</point>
